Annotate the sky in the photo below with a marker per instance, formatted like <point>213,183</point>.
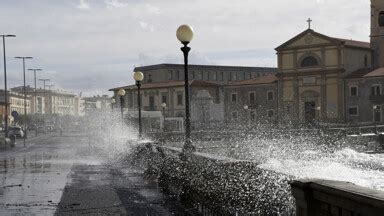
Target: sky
<point>90,46</point>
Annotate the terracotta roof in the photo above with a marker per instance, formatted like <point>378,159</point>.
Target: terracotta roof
<point>173,83</point>
<point>256,81</point>
<point>366,73</point>
<point>354,43</point>
<point>336,41</point>
<point>376,73</point>
<point>206,67</point>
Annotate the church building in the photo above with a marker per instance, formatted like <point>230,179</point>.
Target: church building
<point>312,68</point>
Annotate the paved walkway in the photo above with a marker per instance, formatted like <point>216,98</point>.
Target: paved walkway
<point>64,176</point>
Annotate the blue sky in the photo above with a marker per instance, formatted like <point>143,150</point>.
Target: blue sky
<point>90,46</point>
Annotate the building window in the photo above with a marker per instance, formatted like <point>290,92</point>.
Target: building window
<point>353,111</point>
<point>252,97</point>
<point>170,75</point>
<point>247,75</point>
<point>365,61</point>
<point>233,76</point>
<point>221,76</point>
<point>376,90</point>
<point>164,99</point>
<point>235,115</point>
<point>270,113</point>
<point>234,97</point>
<point>309,61</point>
<point>270,95</point>
<point>353,91</point>
<point>177,75</point>
<point>179,99</point>
<point>151,103</point>
<point>214,75</point>
<point>381,18</point>
<point>149,80</point>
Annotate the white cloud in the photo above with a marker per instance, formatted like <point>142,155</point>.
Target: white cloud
<point>147,26</point>
<point>115,4</point>
<point>97,49</point>
<point>83,5</point>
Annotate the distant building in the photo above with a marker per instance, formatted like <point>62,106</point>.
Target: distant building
<point>97,103</point>
<point>252,101</point>
<point>208,73</point>
<point>50,101</point>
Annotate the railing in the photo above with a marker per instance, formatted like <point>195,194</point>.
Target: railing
<point>318,197</point>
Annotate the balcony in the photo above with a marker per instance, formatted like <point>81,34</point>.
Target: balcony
<point>376,98</point>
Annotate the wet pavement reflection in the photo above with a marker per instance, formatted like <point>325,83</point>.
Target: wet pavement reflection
<point>32,179</point>
<point>66,176</point>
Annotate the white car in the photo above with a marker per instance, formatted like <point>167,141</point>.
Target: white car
<point>16,131</point>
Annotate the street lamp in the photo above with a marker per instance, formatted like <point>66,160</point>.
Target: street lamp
<point>163,105</point>
<point>376,109</point>
<point>25,95</point>
<point>318,118</point>
<point>5,85</point>
<point>113,101</point>
<point>246,111</point>
<point>139,77</point>
<point>50,100</point>
<point>43,108</point>
<point>185,35</point>
<point>121,93</point>
<point>34,75</point>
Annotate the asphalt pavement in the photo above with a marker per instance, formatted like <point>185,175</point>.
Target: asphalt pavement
<point>56,175</point>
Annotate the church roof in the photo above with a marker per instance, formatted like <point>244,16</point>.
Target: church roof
<point>173,83</point>
<point>366,73</point>
<point>269,79</point>
<point>332,40</point>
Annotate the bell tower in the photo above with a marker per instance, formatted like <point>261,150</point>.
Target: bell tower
<point>377,32</point>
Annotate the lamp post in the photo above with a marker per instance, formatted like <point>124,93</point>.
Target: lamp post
<point>25,96</point>
<point>376,109</point>
<point>5,85</point>
<point>246,111</point>
<point>139,77</point>
<point>318,118</point>
<point>121,93</point>
<point>43,108</point>
<point>113,101</point>
<point>34,75</point>
<point>163,105</point>
<point>185,35</point>
<point>50,100</point>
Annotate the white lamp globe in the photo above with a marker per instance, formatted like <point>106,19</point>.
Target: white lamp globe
<point>121,92</point>
<point>184,33</point>
<point>138,76</point>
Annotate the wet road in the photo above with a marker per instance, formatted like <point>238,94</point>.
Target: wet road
<point>64,176</point>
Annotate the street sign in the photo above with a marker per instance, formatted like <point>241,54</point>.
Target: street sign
<point>15,114</point>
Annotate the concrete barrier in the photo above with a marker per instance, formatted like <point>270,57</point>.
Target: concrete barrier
<point>215,185</point>
<point>316,197</point>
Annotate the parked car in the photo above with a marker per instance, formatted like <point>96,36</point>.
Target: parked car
<point>16,131</point>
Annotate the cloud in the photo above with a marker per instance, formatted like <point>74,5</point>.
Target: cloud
<point>115,4</point>
<point>96,50</point>
<point>83,5</point>
<point>146,26</point>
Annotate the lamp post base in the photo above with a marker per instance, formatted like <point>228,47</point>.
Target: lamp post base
<point>188,147</point>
